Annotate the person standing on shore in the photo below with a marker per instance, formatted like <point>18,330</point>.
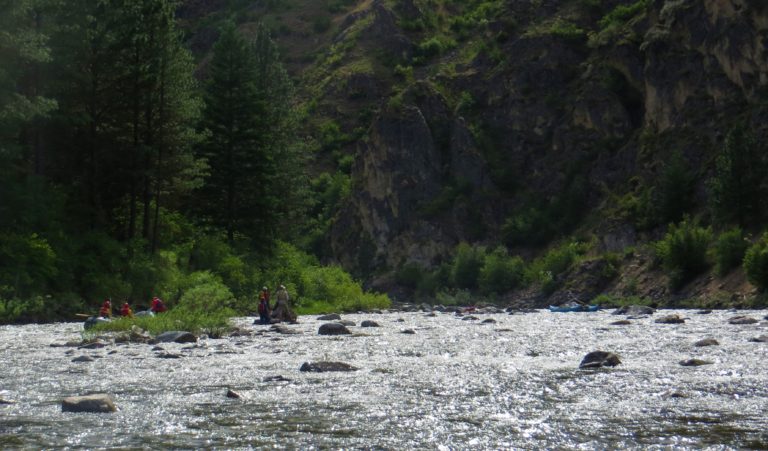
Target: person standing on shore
<point>264,307</point>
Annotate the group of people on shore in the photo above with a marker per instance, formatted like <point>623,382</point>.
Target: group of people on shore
<point>280,312</point>
<point>268,314</point>
<point>156,306</point>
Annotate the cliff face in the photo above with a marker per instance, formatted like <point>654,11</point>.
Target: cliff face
<point>544,112</point>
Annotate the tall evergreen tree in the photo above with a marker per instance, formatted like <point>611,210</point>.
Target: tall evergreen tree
<point>251,148</point>
<point>738,188</point>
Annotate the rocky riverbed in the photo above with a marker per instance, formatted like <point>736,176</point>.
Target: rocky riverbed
<point>418,380</point>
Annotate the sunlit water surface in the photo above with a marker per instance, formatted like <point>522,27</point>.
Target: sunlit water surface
<point>454,384</point>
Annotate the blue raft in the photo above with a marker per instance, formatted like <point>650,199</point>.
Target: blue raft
<point>574,308</point>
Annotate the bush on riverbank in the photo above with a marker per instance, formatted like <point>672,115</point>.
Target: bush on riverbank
<point>683,251</point>
<point>756,263</point>
<point>213,323</point>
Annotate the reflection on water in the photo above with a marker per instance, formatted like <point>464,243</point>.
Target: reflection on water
<point>452,385</point>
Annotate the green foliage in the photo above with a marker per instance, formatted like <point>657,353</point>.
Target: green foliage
<point>623,12</point>
<point>313,285</point>
<point>756,263</point>
<point>205,293</point>
<point>27,264</point>
<point>539,222</point>
<point>501,272</point>
<point>738,189</point>
<point>675,190</point>
<point>467,262</point>
<point>546,269</point>
<point>730,248</point>
<point>620,301</point>
<point>409,275</point>
<point>434,46</point>
<point>683,251</point>
<point>454,297</point>
<point>331,136</point>
<point>14,310</point>
<point>215,322</point>
<point>564,29</point>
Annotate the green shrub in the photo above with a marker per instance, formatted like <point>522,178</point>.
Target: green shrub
<point>622,13</point>
<point>409,275</point>
<point>501,272</point>
<point>756,263</point>
<point>205,292</point>
<point>465,269</point>
<point>683,251</point>
<point>546,269</point>
<point>435,46</point>
<point>214,323</point>
<point>729,250</point>
<point>454,297</point>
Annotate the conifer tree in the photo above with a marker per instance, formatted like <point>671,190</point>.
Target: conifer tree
<point>251,150</point>
<point>738,188</point>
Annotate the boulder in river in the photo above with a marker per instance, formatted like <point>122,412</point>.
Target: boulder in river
<point>282,329</point>
<point>408,331</point>
<point>634,310</point>
<point>707,342</point>
<point>760,339</point>
<point>331,317</point>
<point>346,322</point>
<point>488,321</point>
<point>333,329</point>
<point>99,403</point>
<point>233,394</point>
<point>368,323</point>
<point>670,319</point>
<point>695,362</point>
<point>621,322</point>
<point>742,320</point>
<point>598,359</point>
<point>175,337</point>
<point>83,358</point>
<point>704,312</point>
<point>323,367</point>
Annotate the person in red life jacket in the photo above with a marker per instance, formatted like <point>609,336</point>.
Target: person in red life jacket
<point>106,309</point>
<point>157,305</point>
<point>264,306</point>
<point>125,310</point>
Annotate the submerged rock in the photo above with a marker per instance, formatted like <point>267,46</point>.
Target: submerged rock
<point>408,331</point>
<point>704,312</point>
<point>670,319</point>
<point>634,310</point>
<point>323,367</point>
<point>346,322</point>
<point>598,359</point>
<point>488,321</point>
<point>742,320</point>
<point>470,318</point>
<point>333,329</point>
<point>331,317</point>
<point>83,358</point>
<point>233,394</point>
<point>707,342</point>
<point>175,337</point>
<point>695,362</point>
<point>760,339</point>
<point>621,322</point>
<point>285,330</point>
<point>99,403</point>
<point>368,323</point>
<point>277,378</point>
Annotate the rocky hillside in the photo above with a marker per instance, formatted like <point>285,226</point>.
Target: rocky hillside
<point>525,123</point>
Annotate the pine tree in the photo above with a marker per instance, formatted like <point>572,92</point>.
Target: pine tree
<point>251,148</point>
<point>738,189</point>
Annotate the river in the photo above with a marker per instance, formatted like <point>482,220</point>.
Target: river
<point>453,384</point>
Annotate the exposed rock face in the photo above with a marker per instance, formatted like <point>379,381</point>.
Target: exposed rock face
<point>598,359</point>
<point>432,173</point>
<point>98,403</point>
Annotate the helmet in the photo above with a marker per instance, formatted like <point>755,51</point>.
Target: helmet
<point>264,288</point>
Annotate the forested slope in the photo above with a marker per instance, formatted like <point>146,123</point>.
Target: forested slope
<point>524,151</point>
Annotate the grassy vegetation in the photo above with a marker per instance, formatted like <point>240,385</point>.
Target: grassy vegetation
<point>213,323</point>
